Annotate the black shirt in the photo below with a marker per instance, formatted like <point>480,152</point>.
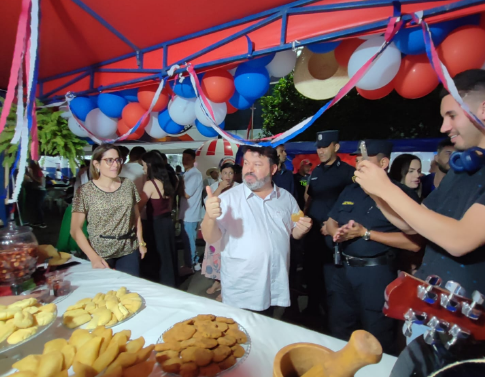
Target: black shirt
<point>301,182</point>
<point>427,184</point>
<point>456,193</point>
<point>355,204</point>
<point>284,178</point>
<point>324,187</point>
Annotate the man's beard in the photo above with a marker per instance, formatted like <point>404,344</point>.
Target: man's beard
<point>258,183</point>
<point>443,169</point>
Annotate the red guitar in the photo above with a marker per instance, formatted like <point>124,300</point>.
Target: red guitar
<point>444,310</point>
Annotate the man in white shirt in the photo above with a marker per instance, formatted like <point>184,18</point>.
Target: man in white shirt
<point>253,223</point>
<point>133,170</point>
<point>190,207</point>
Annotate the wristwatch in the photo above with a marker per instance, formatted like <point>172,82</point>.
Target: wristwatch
<point>366,235</point>
<point>142,244</point>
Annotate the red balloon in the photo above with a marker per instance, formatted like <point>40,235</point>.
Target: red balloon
<point>146,94</point>
<point>416,77</point>
<point>218,85</point>
<point>463,49</point>
<point>378,93</point>
<point>344,50</point>
<point>132,113</point>
<point>230,109</point>
<point>123,129</point>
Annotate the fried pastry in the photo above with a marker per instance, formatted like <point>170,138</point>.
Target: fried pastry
<point>210,370</point>
<point>172,365</point>
<point>189,370</point>
<point>228,362</point>
<point>221,353</point>
<point>165,355</point>
<point>200,356</point>
<point>50,364</point>
<point>28,363</point>
<point>22,334</point>
<point>238,351</point>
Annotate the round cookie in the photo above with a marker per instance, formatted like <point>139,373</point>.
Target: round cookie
<point>228,362</point>
<point>200,356</point>
<point>221,353</point>
<point>189,370</point>
<point>238,351</point>
<point>227,340</point>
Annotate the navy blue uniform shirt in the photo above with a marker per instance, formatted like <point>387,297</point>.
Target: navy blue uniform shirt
<point>284,179</point>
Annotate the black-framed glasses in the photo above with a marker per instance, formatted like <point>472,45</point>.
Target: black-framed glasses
<point>111,161</point>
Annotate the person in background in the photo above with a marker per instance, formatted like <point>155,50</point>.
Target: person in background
<point>211,266</point>
<point>133,170</point>
<point>253,224</point>
<point>237,173</point>
<point>178,170</point>
<point>125,151</point>
<point>283,177</point>
<point>431,181</point>
<point>159,232</point>
<point>212,176</point>
<point>190,211</point>
<point>36,193</point>
<point>110,205</point>
<point>82,175</point>
<point>406,169</point>
<point>301,180</point>
<point>174,179</point>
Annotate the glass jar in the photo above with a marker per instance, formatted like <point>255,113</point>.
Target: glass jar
<point>18,254</point>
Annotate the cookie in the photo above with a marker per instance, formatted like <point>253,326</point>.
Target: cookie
<point>179,332</point>
<point>201,356</point>
<point>227,363</point>
<point>205,317</point>
<point>233,326</point>
<point>189,370</point>
<point>241,337</point>
<point>227,340</point>
<point>295,217</point>
<point>221,353</point>
<point>168,346</point>
<point>210,370</point>
<point>225,320</point>
<point>189,321</point>
<point>172,365</point>
<point>210,332</point>
<point>165,355</point>
<point>221,326</point>
<point>238,351</point>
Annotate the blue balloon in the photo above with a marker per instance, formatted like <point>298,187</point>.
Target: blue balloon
<point>81,106</point>
<point>411,42</point>
<point>239,102</point>
<point>183,89</point>
<point>111,104</point>
<point>129,94</point>
<point>207,131</point>
<point>167,124</point>
<point>251,82</point>
<point>323,47</point>
<point>94,99</point>
<point>261,62</point>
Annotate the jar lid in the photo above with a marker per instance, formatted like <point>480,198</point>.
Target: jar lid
<point>14,230</point>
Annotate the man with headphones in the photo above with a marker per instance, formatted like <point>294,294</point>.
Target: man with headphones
<point>451,218</point>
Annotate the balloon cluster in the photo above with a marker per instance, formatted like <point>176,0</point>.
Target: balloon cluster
<point>109,115</point>
<point>404,65</point>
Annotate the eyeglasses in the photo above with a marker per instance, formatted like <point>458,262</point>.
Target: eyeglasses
<point>110,161</point>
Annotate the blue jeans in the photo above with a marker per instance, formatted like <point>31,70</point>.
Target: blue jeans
<point>189,235</point>
<point>128,263</point>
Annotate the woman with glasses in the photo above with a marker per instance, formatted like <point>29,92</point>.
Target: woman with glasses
<point>109,203</point>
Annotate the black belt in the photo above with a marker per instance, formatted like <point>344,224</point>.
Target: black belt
<point>367,262</point>
<point>131,234</point>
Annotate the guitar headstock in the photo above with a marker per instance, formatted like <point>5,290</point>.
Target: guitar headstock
<point>443,310</point>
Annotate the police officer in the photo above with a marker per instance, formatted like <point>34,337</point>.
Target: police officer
<point>283,177</point>
<point>369,244</point>
<point>324,186</point>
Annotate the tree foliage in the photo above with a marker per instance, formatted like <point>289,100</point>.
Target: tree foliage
<point>392,117</point>
<point>55,138</point>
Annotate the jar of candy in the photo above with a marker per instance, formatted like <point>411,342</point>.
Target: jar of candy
<point>18,254</point>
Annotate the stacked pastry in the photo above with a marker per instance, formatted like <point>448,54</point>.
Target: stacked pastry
<point>201,346</point>
<point>90,354</point>
<point>103,309</point>
<point>21,320</point>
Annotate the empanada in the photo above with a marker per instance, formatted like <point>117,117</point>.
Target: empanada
<point>135,345</point>
<point>28,363</point>
<point>106,358</point>
<point>22,334</point>
<point>143,369</point>
<point>54,345</point>
<point>89,352</point>
<point>73,322</point>
<point>50,364</point>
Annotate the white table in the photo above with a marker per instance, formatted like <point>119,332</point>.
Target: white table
<point>166,306</point>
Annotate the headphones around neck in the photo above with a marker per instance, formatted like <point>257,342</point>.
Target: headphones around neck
<point>468,161</point>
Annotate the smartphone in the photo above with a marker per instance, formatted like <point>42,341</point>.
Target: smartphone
<point>363,150</point>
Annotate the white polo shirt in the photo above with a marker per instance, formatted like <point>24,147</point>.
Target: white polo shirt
<point>190,209</point>
<point>255,247</point>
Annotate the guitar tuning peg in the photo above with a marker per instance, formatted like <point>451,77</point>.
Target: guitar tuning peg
<point>456,333</point>
<point>469,309</point>
<point>435,326</point>
<point>425,292</point>
<point>412,317</point>
<point>448,301</point>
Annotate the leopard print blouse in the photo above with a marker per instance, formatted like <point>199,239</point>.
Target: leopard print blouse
<point>109,215</point>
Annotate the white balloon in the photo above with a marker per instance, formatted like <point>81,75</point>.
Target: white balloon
<point>384,68</point>
<point>101,125</point>
<point>232,71</point>
<point>66,115</point>
<point>282,64</point>
<point>219,109</point>
<point>75,128</point>
<point>182,110</point>
<point>153,128</point>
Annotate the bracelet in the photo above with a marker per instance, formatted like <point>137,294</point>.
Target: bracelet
<point>142,244</point>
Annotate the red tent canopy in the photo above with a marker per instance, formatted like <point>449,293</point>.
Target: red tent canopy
<point>89,45</point>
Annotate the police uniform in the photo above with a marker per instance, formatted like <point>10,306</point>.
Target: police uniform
<point>356,293</point>
<point>301,182</point>
<point>324,186</point>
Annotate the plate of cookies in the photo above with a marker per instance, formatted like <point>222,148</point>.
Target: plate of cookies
<point>205,345</point>
<point>23,321</point>
<point>105,309</point>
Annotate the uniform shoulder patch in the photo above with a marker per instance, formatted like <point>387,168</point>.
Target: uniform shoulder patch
<point>347,203</point>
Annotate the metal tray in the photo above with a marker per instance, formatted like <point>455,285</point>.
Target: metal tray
<point>246,346</point>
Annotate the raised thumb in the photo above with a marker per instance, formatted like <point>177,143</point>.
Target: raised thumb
<point>209,192</point>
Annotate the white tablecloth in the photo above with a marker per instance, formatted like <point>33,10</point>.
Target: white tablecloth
<point>166,306</point>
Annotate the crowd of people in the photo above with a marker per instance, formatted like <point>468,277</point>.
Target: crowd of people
<point>361,225</point>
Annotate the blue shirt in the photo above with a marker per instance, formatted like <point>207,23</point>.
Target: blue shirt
<point>284,178</point>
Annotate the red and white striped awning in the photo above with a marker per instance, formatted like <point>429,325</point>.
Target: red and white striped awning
<point>219,147</point>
